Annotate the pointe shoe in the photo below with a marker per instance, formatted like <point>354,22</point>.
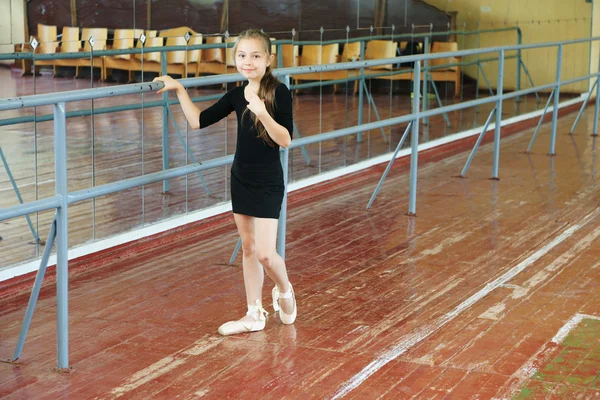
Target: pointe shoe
<point>285,318</point>
<point>234,327</point>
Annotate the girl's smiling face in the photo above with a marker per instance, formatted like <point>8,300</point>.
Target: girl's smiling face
<point>252,58</point>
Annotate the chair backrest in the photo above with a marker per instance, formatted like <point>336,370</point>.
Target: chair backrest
<point>150,33</point>
<point>214,55</point>
<point>150,42</point>
<point>70,42</point>
<point>377,49</point>
<point>229,56</point>
<point>99,34</point>
<point>174,32</point>
<point>442,47</point>
<point>194,55</point>
<point>350,52</point>
<point>124,39</point>
<point>175,57</point>
<point>289,55</point>
<point>47,37</point>
<point>314,54</point>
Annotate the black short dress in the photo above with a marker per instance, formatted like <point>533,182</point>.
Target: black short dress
<point>257,185</point>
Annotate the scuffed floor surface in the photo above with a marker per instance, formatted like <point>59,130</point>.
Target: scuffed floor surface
<point>492,291</point>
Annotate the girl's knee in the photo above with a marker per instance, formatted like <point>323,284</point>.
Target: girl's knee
<point>248,248</point>
<point>265,258</point>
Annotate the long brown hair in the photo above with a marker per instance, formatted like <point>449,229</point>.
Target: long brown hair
<point>268,83</point>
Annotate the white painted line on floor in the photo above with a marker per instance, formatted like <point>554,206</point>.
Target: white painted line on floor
<point>531,366</point>
<point>568,327</point>
<point>164,365</point>
<point>424,332</point>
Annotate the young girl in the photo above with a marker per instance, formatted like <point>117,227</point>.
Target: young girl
<point>263,107</point>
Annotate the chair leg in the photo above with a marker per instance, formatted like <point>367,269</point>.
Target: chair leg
<point>457,86</point>
<point>26,66</point>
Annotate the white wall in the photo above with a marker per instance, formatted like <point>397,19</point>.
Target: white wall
<point>12,24</point>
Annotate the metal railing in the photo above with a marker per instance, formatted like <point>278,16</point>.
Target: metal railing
<point>63,198</point>
<point>363,90</point>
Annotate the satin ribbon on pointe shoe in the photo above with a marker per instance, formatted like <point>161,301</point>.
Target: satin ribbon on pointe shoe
<point>287,319</point>
<point>235,327</point>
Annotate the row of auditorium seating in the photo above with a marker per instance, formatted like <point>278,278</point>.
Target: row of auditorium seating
<point>220,60</point>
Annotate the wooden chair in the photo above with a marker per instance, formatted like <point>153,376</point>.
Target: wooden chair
<point>378,49</point>
<point>149,61</point>
<point>318,55</point>
<point>69,43</point>
<point>194,56</point>
<point>176,60</point>
<point>181,62</point>
<point>48,44</point>
<point>212,60</point>
<point>290,55</point>
<point>229,55</point>
<point>100,36</point>
<point>449,74</point>
<point>273,49</point>
<point>175,32</point>
<point>123,39</point>
<point>351,52</point>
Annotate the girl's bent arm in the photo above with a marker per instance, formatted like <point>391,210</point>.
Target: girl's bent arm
<point>192,113</point>
<point>277,132</point>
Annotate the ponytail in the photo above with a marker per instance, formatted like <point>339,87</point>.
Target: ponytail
<point>268,84</point>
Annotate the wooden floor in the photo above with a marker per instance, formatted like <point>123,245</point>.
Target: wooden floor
<point>112,147</point>
<point>492,291</point>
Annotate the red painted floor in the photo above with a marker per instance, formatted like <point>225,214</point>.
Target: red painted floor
<point>460,302</point>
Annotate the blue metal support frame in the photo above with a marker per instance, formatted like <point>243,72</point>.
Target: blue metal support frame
<point>281,223</point>
<point>485,78</point>
<point>372,103</point>
<point>583,106</point>
<point>439,100</point>
<point>519,61</point>
<point>165,125</point>
<point>303,149</point>
<point>537,96</point>
<point>414,141</point>
<point>389,166</point>
<point>425,79</point>
<point>537,128</point>
<point>36,238</point>
<point>499,93</point>
<point>35,291</point>
<point>463,173</point>
<point>360,91</point>
<point>556,101</point>
<point>62,229</point>
<point>187,148</point>
<point>597,106</point>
